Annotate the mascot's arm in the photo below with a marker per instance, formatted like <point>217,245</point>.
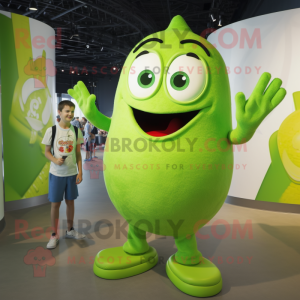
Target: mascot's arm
<point>250,113</point>
<point>86,103</point>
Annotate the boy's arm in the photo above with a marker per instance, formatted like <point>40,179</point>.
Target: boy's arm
<point>48,154</point>
<point>79,164</point>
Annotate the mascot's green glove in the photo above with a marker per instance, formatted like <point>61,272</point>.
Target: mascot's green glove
<point>86,103</point>
<point>250,113</point>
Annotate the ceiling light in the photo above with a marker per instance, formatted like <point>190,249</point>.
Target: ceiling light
<point>33,5</point>
<point>87,45</point>
<point>86,73</point>
<point>62,70</point>
<point>220,21</point>
<point>72,72</point>
<point>212,17</point>
<point>101,48</point>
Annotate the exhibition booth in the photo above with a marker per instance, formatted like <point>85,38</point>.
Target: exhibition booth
<point>262,172</point>
<point>267,167</point>
<point>247,47</point>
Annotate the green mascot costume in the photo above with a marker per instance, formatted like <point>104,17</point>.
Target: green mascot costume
<point>171,112</point>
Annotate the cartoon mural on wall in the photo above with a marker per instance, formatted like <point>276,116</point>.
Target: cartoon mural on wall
<point>26,108</point>
<point>282,181</point>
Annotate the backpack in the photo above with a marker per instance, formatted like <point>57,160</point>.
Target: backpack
<point>94,130</point>
<point>54,132</point>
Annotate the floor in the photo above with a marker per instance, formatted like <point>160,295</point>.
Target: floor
<point>263,262</point>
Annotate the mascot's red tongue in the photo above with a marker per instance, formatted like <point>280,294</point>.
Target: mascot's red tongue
<point>173,126</point>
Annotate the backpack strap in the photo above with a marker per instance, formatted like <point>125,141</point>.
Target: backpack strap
<point>76,132</point>
<point>53,137</point>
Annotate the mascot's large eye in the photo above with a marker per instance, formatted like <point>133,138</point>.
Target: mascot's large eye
<point>186,77</point>
<point>146,79</point>
<point>144,75</point>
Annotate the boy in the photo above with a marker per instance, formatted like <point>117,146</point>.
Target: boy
<point>63,175</point>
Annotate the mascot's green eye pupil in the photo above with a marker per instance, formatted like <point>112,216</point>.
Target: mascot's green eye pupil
<point>146,79</point>
<point>180,81</point>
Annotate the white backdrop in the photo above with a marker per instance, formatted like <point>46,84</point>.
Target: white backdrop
<point>274,48</point>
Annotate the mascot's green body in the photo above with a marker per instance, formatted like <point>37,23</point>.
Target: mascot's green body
<point>172,113</point>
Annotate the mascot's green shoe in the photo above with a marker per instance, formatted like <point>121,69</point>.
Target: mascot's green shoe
<point>202,280</point>
<point>115,263</point>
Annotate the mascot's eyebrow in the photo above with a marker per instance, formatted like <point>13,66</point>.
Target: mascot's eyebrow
<point>142,53</point>
<point>147,41</point>
<point>193,55</point>
<point>197,43</point>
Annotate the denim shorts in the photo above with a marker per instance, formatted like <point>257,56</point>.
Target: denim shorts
<point>58,186</point>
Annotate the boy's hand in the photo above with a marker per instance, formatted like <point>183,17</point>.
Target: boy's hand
<point>79,178</point>
<point>60,161</point>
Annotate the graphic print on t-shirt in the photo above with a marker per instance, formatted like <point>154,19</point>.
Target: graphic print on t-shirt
<point>65,145</point>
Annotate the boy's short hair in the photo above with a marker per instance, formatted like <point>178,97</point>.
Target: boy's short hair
<point>64,103</point>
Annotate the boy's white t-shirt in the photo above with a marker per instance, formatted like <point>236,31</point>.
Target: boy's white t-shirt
<point>64,145</point>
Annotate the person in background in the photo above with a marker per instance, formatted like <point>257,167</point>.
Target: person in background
<point>83,121</point>
<point>80,125</point>
<point>87,138</point>
<point>75,122</point>
<point>94,131</point>
<point>102,132</point>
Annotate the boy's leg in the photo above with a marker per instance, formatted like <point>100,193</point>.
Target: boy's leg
<point>71,192</point>
<point>70,213</point>
<point>55,196</point>
<point>55,215</point>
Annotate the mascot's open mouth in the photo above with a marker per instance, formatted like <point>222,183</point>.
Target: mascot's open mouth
<point>162,124</point>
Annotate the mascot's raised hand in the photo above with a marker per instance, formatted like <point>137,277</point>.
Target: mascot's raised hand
<point>250,113</point>
<point>86,103</point>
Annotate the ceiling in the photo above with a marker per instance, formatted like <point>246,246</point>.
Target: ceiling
<point>102,33</point>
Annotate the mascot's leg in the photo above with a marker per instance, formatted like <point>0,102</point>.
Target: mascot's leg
<point>191,272</point>
<point>135,257</point>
